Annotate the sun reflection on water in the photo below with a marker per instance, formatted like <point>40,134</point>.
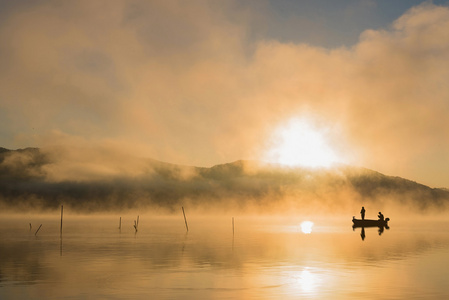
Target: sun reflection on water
<point>306,227</point>
<point>308,281</point>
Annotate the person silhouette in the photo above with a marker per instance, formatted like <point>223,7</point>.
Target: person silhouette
<point>381,216</point>
<point>362,212</point>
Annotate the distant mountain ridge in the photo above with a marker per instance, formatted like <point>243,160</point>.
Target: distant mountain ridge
<point>29,179</point>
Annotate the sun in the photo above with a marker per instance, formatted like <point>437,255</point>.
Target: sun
<point>298,143</point>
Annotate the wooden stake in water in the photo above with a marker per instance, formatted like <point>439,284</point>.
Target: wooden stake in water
<point>120,224</point>
<point>136,223</point>
<point>38,229</point>
<point>30,226</point>
<point>232,225</point>
<point>185,220</point>
<point>62,210</point>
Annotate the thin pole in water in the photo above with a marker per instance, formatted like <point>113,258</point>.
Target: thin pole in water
<point>38,229</point>
<point>62,210</point>
<point>136,223</point>
<point>120,224</point>
<point>232,225</point>
<point>185,220</point>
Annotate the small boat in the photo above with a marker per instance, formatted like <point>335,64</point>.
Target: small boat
<point>370,223</point>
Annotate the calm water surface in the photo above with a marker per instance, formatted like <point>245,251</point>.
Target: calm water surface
<point>265,258</point>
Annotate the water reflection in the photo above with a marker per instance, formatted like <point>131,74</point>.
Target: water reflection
<point>258,262</point>
<point>308,281</point>
<point>380,230</point>
<point>306,227</point>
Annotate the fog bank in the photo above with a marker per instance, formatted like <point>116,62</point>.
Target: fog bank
<point>102,181</point>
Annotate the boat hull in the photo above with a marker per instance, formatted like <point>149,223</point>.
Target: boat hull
<point>370,223</point>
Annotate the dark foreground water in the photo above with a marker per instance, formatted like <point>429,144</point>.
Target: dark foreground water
<point>265,258</point>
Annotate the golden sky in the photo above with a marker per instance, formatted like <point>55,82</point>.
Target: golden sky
<point>208,82</point>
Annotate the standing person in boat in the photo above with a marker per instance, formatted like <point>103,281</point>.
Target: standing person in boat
<point>362,212</point>
<point>381,216</point>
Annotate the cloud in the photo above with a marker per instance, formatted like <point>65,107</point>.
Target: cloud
<point>190,83</point>
<point>388,91</point>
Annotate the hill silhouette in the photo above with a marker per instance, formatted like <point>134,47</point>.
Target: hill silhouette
<point>35,179</point>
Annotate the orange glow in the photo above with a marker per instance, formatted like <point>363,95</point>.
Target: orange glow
<point>301,144</point>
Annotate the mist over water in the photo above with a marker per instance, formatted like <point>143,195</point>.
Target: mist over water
<point>252,230</point>
<point>265,257</point>
<point>107,180</point>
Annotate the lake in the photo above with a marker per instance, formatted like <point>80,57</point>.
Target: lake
<point>266,257</point>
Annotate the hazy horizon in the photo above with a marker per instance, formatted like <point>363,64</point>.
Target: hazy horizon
<point>96,180</point>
